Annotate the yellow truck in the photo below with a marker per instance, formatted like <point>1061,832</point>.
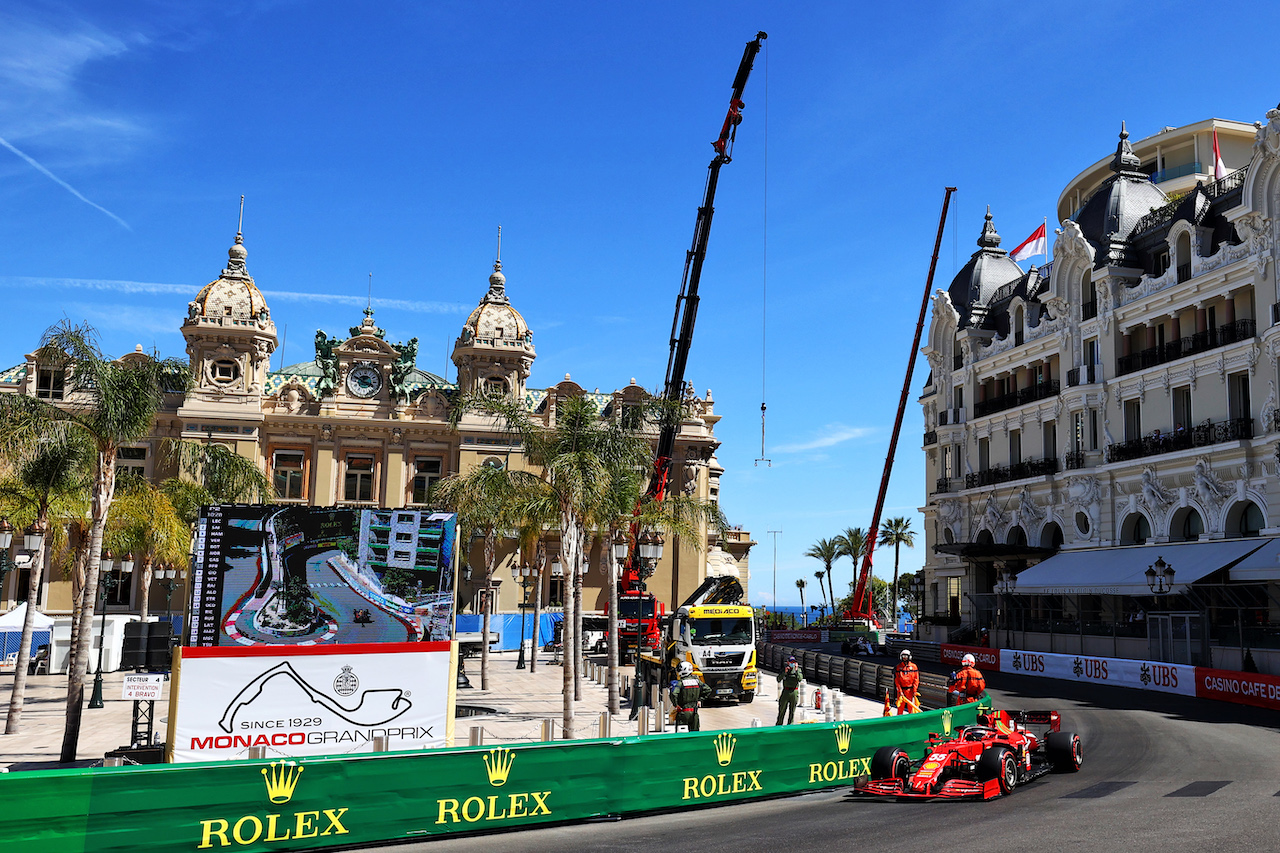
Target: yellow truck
<point>715,632</point>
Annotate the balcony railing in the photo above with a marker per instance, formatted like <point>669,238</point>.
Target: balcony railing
<point>944,485</point>
<point>1073,460</point>
<point>1275,313</point>
<point>1089,310</point>
<point>1176,172</point>
<point>1184,272</point>
<point>1017,398</point>
<point>1204,341</point>
<point>1016,471</point>
<point>1201,435</point>
<point>930,437</point>
<point>957,362</point>
<point>1087,373</point>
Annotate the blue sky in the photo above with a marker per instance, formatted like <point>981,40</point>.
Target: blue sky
<point>395,137</point>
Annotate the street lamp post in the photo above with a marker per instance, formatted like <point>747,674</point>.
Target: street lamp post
<point>166,575</point>
<point>106,582</point>
<point>522,575</point>
<point>1160,577</point>
<point>1005,585</point>
<point>6,562</point>
<point>649,546</point>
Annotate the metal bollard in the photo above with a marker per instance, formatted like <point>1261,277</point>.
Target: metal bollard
<point>604,723</point>
<point>755,722</point>
<point>642,722</point>
<point>257,753</point>
<point>830,711</point>
<point>839,704</point>
<point>477,736</point>
<point>659,705</point>
<point>118,760</point>
<point>547,732</point>
<point>381,743</point>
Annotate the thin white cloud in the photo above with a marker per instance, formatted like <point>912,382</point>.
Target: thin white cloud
<point>66,186</point>
<point>126,318</point>
<point>831,435</point>
<point>190,290</point>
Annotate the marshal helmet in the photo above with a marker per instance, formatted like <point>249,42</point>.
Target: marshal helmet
<point>968,660</point>
<point>686,669</point>
<point>906,654</point>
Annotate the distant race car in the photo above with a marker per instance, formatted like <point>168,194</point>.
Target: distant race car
<point>981,761</point>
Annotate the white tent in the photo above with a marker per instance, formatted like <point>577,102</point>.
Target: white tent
<point>12,621</point>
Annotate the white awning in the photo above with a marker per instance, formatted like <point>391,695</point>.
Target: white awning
<point>1260,566</point>
<point>1122,571</point>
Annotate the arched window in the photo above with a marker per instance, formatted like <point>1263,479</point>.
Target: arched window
<point>1088,297</point>
<point>1017,325</point>
<point>1051,536</point>
<point>1186,526</point>
<point>1245,519</point>
<point>495,386</point>
<point>1016,536</point>
<point>1136,530</point>
<point>1182,249</point>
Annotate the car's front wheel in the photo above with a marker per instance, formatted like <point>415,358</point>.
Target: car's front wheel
<point>890,762</point>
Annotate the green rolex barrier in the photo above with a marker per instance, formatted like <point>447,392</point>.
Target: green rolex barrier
<point>317,802</point>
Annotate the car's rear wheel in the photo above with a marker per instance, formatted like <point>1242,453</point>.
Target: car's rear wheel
<point>998,763</point>
<point>890,762</point>
<point>1064,751</point>
<point>747,698</point>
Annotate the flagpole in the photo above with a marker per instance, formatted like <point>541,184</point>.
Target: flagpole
<point>1046,239</point>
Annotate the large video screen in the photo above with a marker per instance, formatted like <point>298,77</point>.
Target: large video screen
<point>300,575</point>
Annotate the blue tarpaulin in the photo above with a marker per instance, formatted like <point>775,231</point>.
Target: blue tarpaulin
<point>507,627</point>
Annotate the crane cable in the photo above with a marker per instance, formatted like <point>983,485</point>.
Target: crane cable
<point>764,271</point>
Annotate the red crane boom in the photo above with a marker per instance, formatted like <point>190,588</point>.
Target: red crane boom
<point>862,593</point>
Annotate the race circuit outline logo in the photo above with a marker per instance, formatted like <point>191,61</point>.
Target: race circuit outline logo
<point>844,732</point>
<point>396,702</point>
<point>498,765</point>
<point>725,744</point>
<point>282,778</point>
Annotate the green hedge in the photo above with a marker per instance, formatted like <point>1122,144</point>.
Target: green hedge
<point>347,800</point>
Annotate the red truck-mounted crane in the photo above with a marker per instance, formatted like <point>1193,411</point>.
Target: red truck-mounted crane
<point>640,613</point>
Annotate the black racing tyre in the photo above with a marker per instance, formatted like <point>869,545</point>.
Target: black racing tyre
<point>890,762</point>
<point>747,698</point>
<point>1064,751</point>
<point>998,762</point>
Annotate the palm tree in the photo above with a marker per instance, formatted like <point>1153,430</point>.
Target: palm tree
<point>113,403</point>
<point>896,532</point>
<point>853,544</point>
<point>800,585</point>
<point>50,481</point>
<point>828,551</point>
<point>486,501</point>
<point>145,523</point>
<point>821,589</point>
<point>577,457</point>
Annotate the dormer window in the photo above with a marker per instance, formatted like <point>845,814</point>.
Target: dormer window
<point>50,383</point>
<point>495,386</point>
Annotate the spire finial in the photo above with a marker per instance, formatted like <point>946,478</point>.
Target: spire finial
<point>1125,159</point>
<point>988,239</point>
<point>240,224</point>
<point>368,306</point>
<point>497,261</point>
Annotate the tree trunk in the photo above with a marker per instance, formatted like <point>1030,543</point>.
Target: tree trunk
<point>16,698</point>
<point>145,582</point>
<point>893,591</point>
<point>578,651</point>
<point>79,567</point>
<point>490,543</point>
<point>831,586</point>
<point>104,488</point>
<point>615,701</point>
<point>570,541</point>
<point>539,561</point>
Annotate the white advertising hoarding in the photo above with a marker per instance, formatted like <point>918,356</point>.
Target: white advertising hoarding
<point>310,700</point>
<point>1116,672</point>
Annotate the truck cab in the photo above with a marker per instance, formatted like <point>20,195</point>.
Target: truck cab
<point>720,641</point>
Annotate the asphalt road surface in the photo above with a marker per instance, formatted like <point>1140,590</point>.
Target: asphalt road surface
<point>1161,773</point>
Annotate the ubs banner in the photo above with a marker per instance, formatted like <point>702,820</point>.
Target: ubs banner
<point>309,700</point>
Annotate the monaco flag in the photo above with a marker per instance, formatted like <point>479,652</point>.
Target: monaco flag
<point>1032,246</point>
<point>1219,170</point>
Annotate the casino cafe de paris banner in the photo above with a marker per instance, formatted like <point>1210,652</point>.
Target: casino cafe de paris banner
<point>309,700</point>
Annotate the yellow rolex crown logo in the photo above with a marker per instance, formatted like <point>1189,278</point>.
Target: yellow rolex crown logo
<point>844,732</point>
<point>282,778</point>
<point>498,763</point>
<point>725,743</point>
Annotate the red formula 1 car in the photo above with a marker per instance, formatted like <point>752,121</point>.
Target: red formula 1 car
<point>1005,749</point>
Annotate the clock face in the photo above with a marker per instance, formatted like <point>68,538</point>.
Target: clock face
<point>364,381</point>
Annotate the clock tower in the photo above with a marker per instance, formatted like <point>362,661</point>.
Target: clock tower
<point>494,353</point>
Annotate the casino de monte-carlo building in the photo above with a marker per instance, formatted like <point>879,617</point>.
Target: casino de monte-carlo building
<point>1111,417</point>
<point>361,426</point>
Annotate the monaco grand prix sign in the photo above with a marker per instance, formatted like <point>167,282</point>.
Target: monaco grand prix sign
<point>309,700</point>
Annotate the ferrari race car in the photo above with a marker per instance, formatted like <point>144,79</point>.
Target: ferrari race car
<point>1005,749</point>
